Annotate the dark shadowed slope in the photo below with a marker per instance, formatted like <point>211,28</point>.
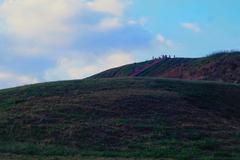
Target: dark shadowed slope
<point>128,117</point>
<point>218,67</point>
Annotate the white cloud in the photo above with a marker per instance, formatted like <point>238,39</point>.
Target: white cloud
<point>191,26</point>
<point>113,7</point>
<point>142,21</point>
<point>40,19</point>
<point>38,26</point>
<point>109,23</point>
<point>10,79</point>
<point>162,41</point>
<point>81,67</point>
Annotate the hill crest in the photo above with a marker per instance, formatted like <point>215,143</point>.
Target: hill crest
<point>222,66</point>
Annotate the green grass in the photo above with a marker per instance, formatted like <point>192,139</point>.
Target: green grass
<point>121,118</point>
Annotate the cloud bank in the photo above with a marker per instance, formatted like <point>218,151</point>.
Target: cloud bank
<point>14,79</point>
<point>80,37</point>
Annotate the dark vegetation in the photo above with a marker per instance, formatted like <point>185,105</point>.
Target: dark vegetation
<point>121,117</point>
<point>223,66</point>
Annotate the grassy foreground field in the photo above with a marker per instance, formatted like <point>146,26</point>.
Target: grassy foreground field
<point>20,157</point>
<point>141,118</point>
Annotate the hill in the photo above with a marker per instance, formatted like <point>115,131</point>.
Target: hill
<point>224,66</point>
<point>121,117</point>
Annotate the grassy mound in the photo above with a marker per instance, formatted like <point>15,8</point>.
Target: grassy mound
<point>122,117</point>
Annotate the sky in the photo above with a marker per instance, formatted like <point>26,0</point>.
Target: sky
<point>51,40</point>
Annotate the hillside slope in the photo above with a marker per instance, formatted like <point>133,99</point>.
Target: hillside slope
<point>122,117</point>
<point>218,67</point>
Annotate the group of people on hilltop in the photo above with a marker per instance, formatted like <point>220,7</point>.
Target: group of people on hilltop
<point>164,56</point>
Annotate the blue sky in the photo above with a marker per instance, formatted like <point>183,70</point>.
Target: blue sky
<point>45,40</point>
